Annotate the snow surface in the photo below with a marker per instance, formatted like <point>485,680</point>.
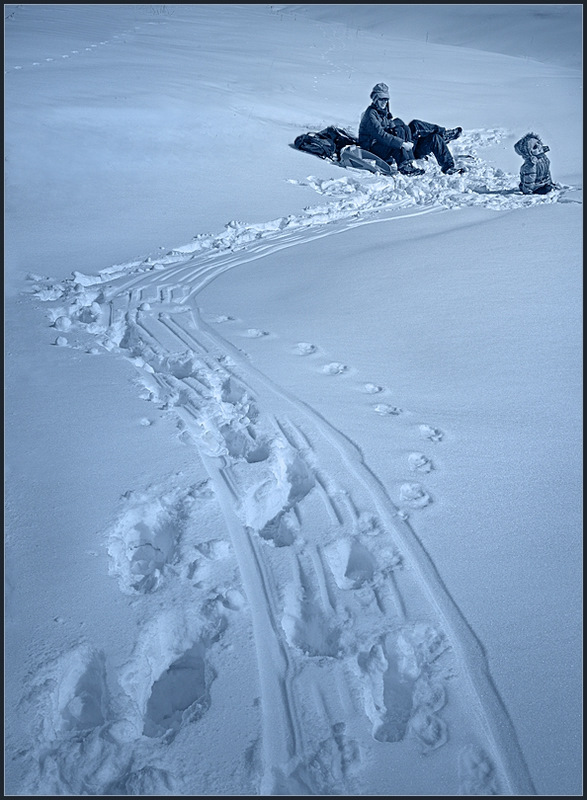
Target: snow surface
<point>292,461</point>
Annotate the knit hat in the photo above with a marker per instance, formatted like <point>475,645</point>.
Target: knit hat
<point>380,92</point>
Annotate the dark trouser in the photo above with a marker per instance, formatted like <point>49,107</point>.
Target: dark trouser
<point>391,154</point>
<point>544,189</point>
<point>426,138</point>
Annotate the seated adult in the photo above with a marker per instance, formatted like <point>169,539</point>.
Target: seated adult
<point>392,140</point>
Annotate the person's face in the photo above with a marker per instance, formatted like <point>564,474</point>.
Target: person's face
<point>536,149</point>
<point>381,102</point>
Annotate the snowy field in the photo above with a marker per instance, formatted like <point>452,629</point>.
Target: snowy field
<point>293,456</point>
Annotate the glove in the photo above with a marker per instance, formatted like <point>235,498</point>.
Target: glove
<point>408,147</point>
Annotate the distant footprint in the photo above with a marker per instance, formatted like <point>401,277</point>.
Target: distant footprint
<point>334,368</point>
<point>476,772</point>
<point>420,463</point>
<point>255,333</point>
<point>414,495</point>
<point>433,434</point>
<point>305,348</point>
<point>386,410</point>
<point>372,388</point>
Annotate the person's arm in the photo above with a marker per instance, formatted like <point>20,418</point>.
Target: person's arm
<point>379,132</point>
<point>528,176</point>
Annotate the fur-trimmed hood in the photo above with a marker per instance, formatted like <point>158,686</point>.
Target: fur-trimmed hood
<point>521,146</point>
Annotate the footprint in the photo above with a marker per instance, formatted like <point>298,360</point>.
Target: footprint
<point>181,695</point>
<point>420,463</point>
<point>414,495</point>
<point>386,410</point>
<point>255,333</point>
<point>282,530</point>
<point>476,772</point>
<point>388,692</point>
<point>233,600</point>
<point>327,770</point>
<point>334,368</point>
<point>372,388</point>
<point>428,728</point>
<point>144,541</point>
<point>428,432</point>
<point>278,485</point>
<point>369,524</point>
<point>400,690</point>
<point>70,694</point>
<point>305,348</point>
<point>145,781</point>
<point>308,626</point>
<point>72,713</point>
<point>351,563</point>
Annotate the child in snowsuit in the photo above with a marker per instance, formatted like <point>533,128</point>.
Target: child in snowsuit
<point>389,137</point>
<point>535,171</point>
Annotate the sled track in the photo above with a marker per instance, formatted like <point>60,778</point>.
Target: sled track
<point>327,446</point>
<point>342,594</point>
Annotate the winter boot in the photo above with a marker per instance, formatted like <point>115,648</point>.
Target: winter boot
<point>410,169</point>
<point>454,170</point>
<point>450,134</point>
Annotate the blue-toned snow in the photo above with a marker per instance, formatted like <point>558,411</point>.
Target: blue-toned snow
<point>293,452</point>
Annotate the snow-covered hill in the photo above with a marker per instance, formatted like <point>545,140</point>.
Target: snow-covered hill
<point>292,451</point>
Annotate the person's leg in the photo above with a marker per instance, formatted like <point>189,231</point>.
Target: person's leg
<point>544,189</point>
<point>402,130</point>
<point>419,127</point>
<point>434,144</point>
<point>390,154</point>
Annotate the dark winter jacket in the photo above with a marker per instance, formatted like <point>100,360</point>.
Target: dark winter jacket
<point>535,171</point>
<point>380,127</point>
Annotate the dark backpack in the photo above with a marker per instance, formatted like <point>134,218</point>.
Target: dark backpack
<point>326,143</point>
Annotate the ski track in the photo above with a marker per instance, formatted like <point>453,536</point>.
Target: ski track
<point>340,591</point>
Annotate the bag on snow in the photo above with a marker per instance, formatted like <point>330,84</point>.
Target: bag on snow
<point>326,143</point>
